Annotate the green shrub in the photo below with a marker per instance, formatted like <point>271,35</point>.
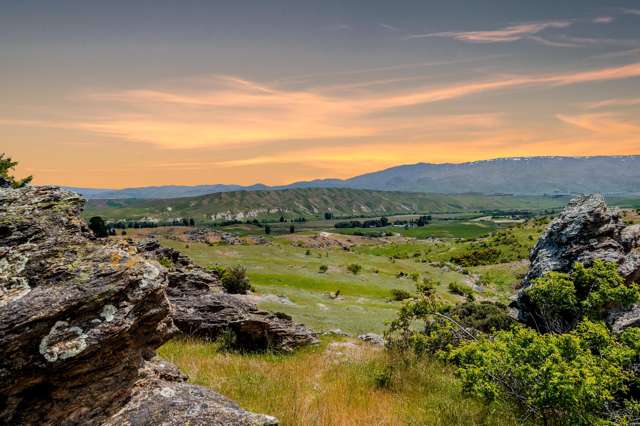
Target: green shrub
<point>354,268</point>
<point>400,294</point>
<point>323,269</point>
<point>570,378</point>
<point>483,256</point>
<point>558,301</point>
<point>485,316</point>
<point>166,262</point>
<point>461,290</point>
<point>99,228</point>
<point>235,281</point>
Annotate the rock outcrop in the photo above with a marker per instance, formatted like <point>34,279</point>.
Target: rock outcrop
<point>202,309</point>
<point>585,231</point>
<point>79,322</point>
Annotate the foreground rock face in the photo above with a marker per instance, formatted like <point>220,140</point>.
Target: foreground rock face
<point>202,309</point>
<point>585,231</point>
<point>79,320</point>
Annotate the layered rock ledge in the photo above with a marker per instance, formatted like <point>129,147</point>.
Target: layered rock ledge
<point>79,322</point>
<point>203,309</point>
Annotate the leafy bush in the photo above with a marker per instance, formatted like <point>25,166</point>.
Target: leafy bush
<point>484,256</point>
<point>400,294</point>
<point>354,268</point>
<point>558,301</point>
<point>97,225</point>
<point>461,290</point>
<point>323,269</point>
<point>570,378</point>
<point>235,281</point>
<point>485,316</point>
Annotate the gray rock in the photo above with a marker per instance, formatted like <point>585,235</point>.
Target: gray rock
<point>202,309</point>
<point>372,338</point>
<point>79,320</point>
<point>585,231</point>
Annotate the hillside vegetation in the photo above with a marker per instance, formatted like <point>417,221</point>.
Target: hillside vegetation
<point>311,203</point>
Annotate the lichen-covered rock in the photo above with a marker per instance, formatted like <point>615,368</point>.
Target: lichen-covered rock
<point>78,319</point>
<point>202,309</point>
<point>585,231</point>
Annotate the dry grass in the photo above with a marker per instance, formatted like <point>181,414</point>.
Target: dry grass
<point>336,383</point>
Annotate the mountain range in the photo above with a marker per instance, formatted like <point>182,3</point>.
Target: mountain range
<point>514,175</point>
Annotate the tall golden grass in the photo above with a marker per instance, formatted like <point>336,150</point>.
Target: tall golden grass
<point>337,383</point>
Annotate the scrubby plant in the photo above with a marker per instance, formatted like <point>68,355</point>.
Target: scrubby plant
<point>99,228</point>
<point>461,290</point>
<point>323,269</point>
<point>235,281</point>
<point>400,294</point>
<point>354,268</point>
<point>6,167</point>
<point>477,257</point>
<point>558,301</point>
<point>571,378</point>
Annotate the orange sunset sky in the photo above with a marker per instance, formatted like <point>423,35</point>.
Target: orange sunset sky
<point>115,95</point>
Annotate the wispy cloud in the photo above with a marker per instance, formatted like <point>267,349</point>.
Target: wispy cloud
<point>502,35</point>
<point>603,20</point>
<point>390,27</point>
<point>238,112</point>
<point>605,123</point>
<point>554,43</point>
<point>338,27</point>
<point>613,103</point>
<point>631,11</point>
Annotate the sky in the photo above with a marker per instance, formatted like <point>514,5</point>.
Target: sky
<point>134,93</point>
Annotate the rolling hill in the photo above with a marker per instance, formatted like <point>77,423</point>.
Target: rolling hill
<point>517,175</point>
<point>309,203</point>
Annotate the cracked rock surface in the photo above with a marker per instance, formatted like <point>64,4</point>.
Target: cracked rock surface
<point>585,231</point>
<point>79,322</point>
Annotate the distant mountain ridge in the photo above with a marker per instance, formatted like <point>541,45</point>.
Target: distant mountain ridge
<point>513,175</point>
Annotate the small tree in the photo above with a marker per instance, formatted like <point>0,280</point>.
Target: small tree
<point>328,216</point>
<point>6,166</point>
<point>354,268</point>
<point>235,281</point>
<point>292,229</point>
<point>192,222</point>
<point>267,229</point>
<point>97,225</point>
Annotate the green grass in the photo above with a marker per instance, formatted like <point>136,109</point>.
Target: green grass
<point>334,384</point>
<point>365,303</point>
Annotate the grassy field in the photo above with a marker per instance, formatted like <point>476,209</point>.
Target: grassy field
<point>288,277</point>
<point>336,383</point>
<point>343,381</point>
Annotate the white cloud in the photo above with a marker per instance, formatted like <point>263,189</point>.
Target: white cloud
<point>502,35</point>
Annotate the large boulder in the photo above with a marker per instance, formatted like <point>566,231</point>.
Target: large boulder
<point>79,321</point>
<point>203,309</point>
<point>585,231</point>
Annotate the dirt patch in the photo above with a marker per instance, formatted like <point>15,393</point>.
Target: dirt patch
<point>331,240</point>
